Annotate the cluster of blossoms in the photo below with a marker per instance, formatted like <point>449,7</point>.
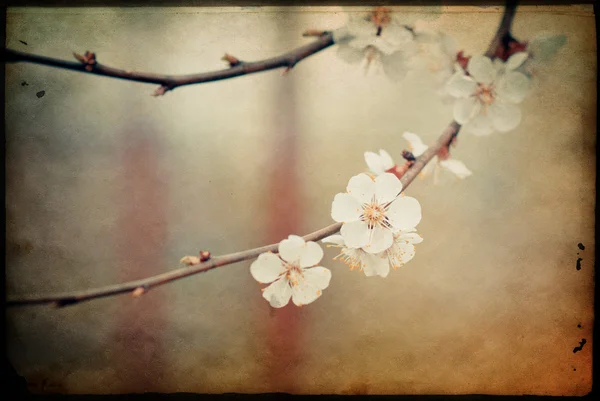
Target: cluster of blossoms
<point>486,91</point>
<point>378,232</point>
<point>379,222</point>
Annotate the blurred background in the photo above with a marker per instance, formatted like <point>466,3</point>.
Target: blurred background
<point>105,184</point>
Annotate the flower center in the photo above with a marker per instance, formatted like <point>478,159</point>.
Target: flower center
<point>485,94</point>
<point>374,214</point>
<point>294,274</point>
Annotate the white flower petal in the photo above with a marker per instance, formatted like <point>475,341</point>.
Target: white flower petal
<point>401,253</point>
<point>410,236</point>
<point>387,187</point>
<point>395,65</point>
<point>513,87</point>
<point>361,187</point>
<point>291,248</point>
<point>335,239</point>
<point>356,234</point>
<point>380,240</point>
<point>457,167</point>
<point>312,253</point>
<point>279,293</point>
<point>516,60</point>
<point>349,54</point>
<point>317,277</point>
<point>545,46</point>
<point>374,162</point>
<point>505,116</point>
<point>345,207</point>
<point>481,69</point>
<point>414,142</point>
<point>404,213</point>
<point>481,125</point>
<point>375,265</point>
<point>459,85</point>
<point>267,267</point>
<point>360,25</point>
<point>341,35</point>
<point>466,109</point>
<point>386,160</point>
<point>304,293</point>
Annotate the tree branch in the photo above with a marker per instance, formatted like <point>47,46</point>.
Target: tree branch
<point>170,82</point>
<point>139,287</point>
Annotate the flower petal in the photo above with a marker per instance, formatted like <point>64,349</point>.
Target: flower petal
<point>457,167</point>
<point>317,277</point>
<point>375,265</point>
<point>459,85</point>
<point>361,187</point>
<point>414,142</point>
<point>387,187</point>
<point>349,54</point>
<point>516,60</point>
<point>374,162</point>
<point>404,213</point>
<point>545,46</point>
<point>267,267</point>
<point>481,125</point>
<point>395,65</point>
<point>386,160</point>
<point>410,235</point>
<point>291,248</point>
<point>513,87</point>
<point>380,240</point>
<point>481,69</point>
<point>304,293</point>
<point>505,116</point>
<point>279,293</point>
<point>312,253</point>
<point>345,207</point>
<point>355,233</point>
<point>335,239</point>
<point>466,109</point>
<point>401,253</point>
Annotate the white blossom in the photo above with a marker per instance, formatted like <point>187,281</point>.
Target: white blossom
<point>358,258</point>
<point>399,253</point>
<point>487,97</point>
<point>379,163</point>
<point>376,37</point>
<point>372,210</point>
<point>417,148</point>
<point>291,273</point>
<point>435,60</point>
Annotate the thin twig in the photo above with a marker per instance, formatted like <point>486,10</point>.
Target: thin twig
<point>139,287</point>
<point>170,82</point>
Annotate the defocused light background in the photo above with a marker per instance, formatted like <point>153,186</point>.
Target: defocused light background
<point>105,184</point>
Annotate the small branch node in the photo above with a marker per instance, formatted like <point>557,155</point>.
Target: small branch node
<point>231,60</point>
<point>88,59</point>
<point>408,156</point>
<point>314,32</point>
<point>161,90</point>
<point>204,256</point>
<point>139,291</point>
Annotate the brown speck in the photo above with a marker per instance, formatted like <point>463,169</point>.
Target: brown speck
<point>580,246</point>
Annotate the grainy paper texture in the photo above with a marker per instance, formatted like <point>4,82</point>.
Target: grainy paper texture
<point>105,183</point>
